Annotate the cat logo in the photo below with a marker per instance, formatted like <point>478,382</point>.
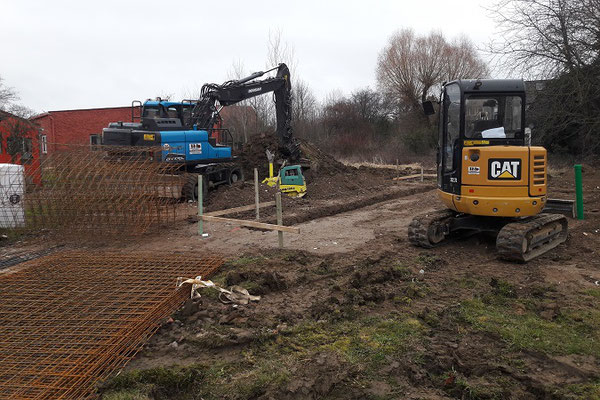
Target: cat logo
<point>504,168</point>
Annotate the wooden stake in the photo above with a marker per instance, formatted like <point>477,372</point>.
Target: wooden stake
<point>200,221</point>
<point>256,197</point>
<point>279,218</point>
<point>422,173</point>
<point>397,169</point>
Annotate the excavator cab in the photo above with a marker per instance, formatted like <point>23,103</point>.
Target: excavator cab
<point>484,167</point>
<point>489,179</point>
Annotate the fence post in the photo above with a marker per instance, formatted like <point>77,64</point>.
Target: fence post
<point>579,191</point>
<point>279,218</point>
<point>200,221</point>
<point>256,197</point>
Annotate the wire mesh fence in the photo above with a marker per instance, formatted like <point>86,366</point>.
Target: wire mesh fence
<point>84,192</point>
<point>70,319</point>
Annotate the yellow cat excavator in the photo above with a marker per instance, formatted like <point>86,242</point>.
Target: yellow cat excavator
<point>489,177</point>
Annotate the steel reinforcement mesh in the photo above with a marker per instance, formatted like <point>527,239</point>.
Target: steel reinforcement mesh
<point>81,193</point>
<point>68,320</point>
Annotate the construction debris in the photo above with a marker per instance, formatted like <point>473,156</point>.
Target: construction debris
<point>235,294</point>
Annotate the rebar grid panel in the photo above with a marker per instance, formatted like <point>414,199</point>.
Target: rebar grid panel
<point>83,193</point>
<point>68,320</point>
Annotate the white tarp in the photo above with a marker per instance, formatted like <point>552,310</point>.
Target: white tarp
<point>12,190</point>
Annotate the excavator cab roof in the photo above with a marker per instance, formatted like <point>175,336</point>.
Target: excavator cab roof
<point>489,85</point>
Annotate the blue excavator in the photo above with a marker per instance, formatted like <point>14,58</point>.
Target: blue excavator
<point>190,134</point>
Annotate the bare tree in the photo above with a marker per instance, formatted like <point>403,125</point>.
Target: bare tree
<point>411,66</point>
<point>557,42</point>
<point>245,121</point>
<point>279,51</point>
<point>7,96</point>
<point>304,106</point>
<point>541,38</point>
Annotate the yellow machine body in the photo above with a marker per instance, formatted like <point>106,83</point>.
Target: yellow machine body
<point>502,181</point>
<point>291,174</point>
<point>271,180</point>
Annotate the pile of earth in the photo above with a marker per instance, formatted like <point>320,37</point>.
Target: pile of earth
<point>326,178</point>
<point>253,155</point>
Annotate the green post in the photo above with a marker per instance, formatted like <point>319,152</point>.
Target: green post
<point>279,218</point>
<point>579,191</point>
<point>200,221</point>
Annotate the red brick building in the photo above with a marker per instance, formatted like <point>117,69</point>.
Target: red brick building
<point>82,127</point>
<point>19,144</point>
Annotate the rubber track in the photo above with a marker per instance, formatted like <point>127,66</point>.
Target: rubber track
<point>417,230</point>
<point>510,238</point>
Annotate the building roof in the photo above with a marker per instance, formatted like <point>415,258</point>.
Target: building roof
<point>79,109</point>
<point>5,115</point>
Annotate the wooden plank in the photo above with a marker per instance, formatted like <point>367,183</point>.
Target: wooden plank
<point>251,224</point>
<point>414,176</point>
<point>240,209</point>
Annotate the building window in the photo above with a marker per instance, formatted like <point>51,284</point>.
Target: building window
<point>94,141</point>
<point>27,154</point>
<point>44,144</point>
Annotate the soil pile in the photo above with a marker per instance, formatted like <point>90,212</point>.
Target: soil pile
<point>253,155</point>
<point>327,179</point>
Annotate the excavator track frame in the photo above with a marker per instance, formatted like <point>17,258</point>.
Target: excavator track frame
<point>428,230</point>
<point>516,240</point>
<point>524,240</point>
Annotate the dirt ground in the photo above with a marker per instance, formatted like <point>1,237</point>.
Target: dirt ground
<point>350,310</point>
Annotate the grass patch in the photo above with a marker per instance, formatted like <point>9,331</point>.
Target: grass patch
<point>570,333</point>
<point>216,381</point>
<point>590,391</point>
<point>429,260</point>
<point>241,261</point>
<point>368,341</point>
<point>592,292</point>
<point>157,383</point>
<point>458,386</point>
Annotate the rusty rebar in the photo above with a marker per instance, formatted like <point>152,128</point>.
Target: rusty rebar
<point>70,319</point>
<point>88,193</point>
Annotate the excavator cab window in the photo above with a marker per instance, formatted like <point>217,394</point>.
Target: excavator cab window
<point>493,117</point>
<point>173,112</point>
<point>150,113</point>
<point>452,126</point>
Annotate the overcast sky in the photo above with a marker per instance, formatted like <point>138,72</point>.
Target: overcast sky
<point>78,54</point>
